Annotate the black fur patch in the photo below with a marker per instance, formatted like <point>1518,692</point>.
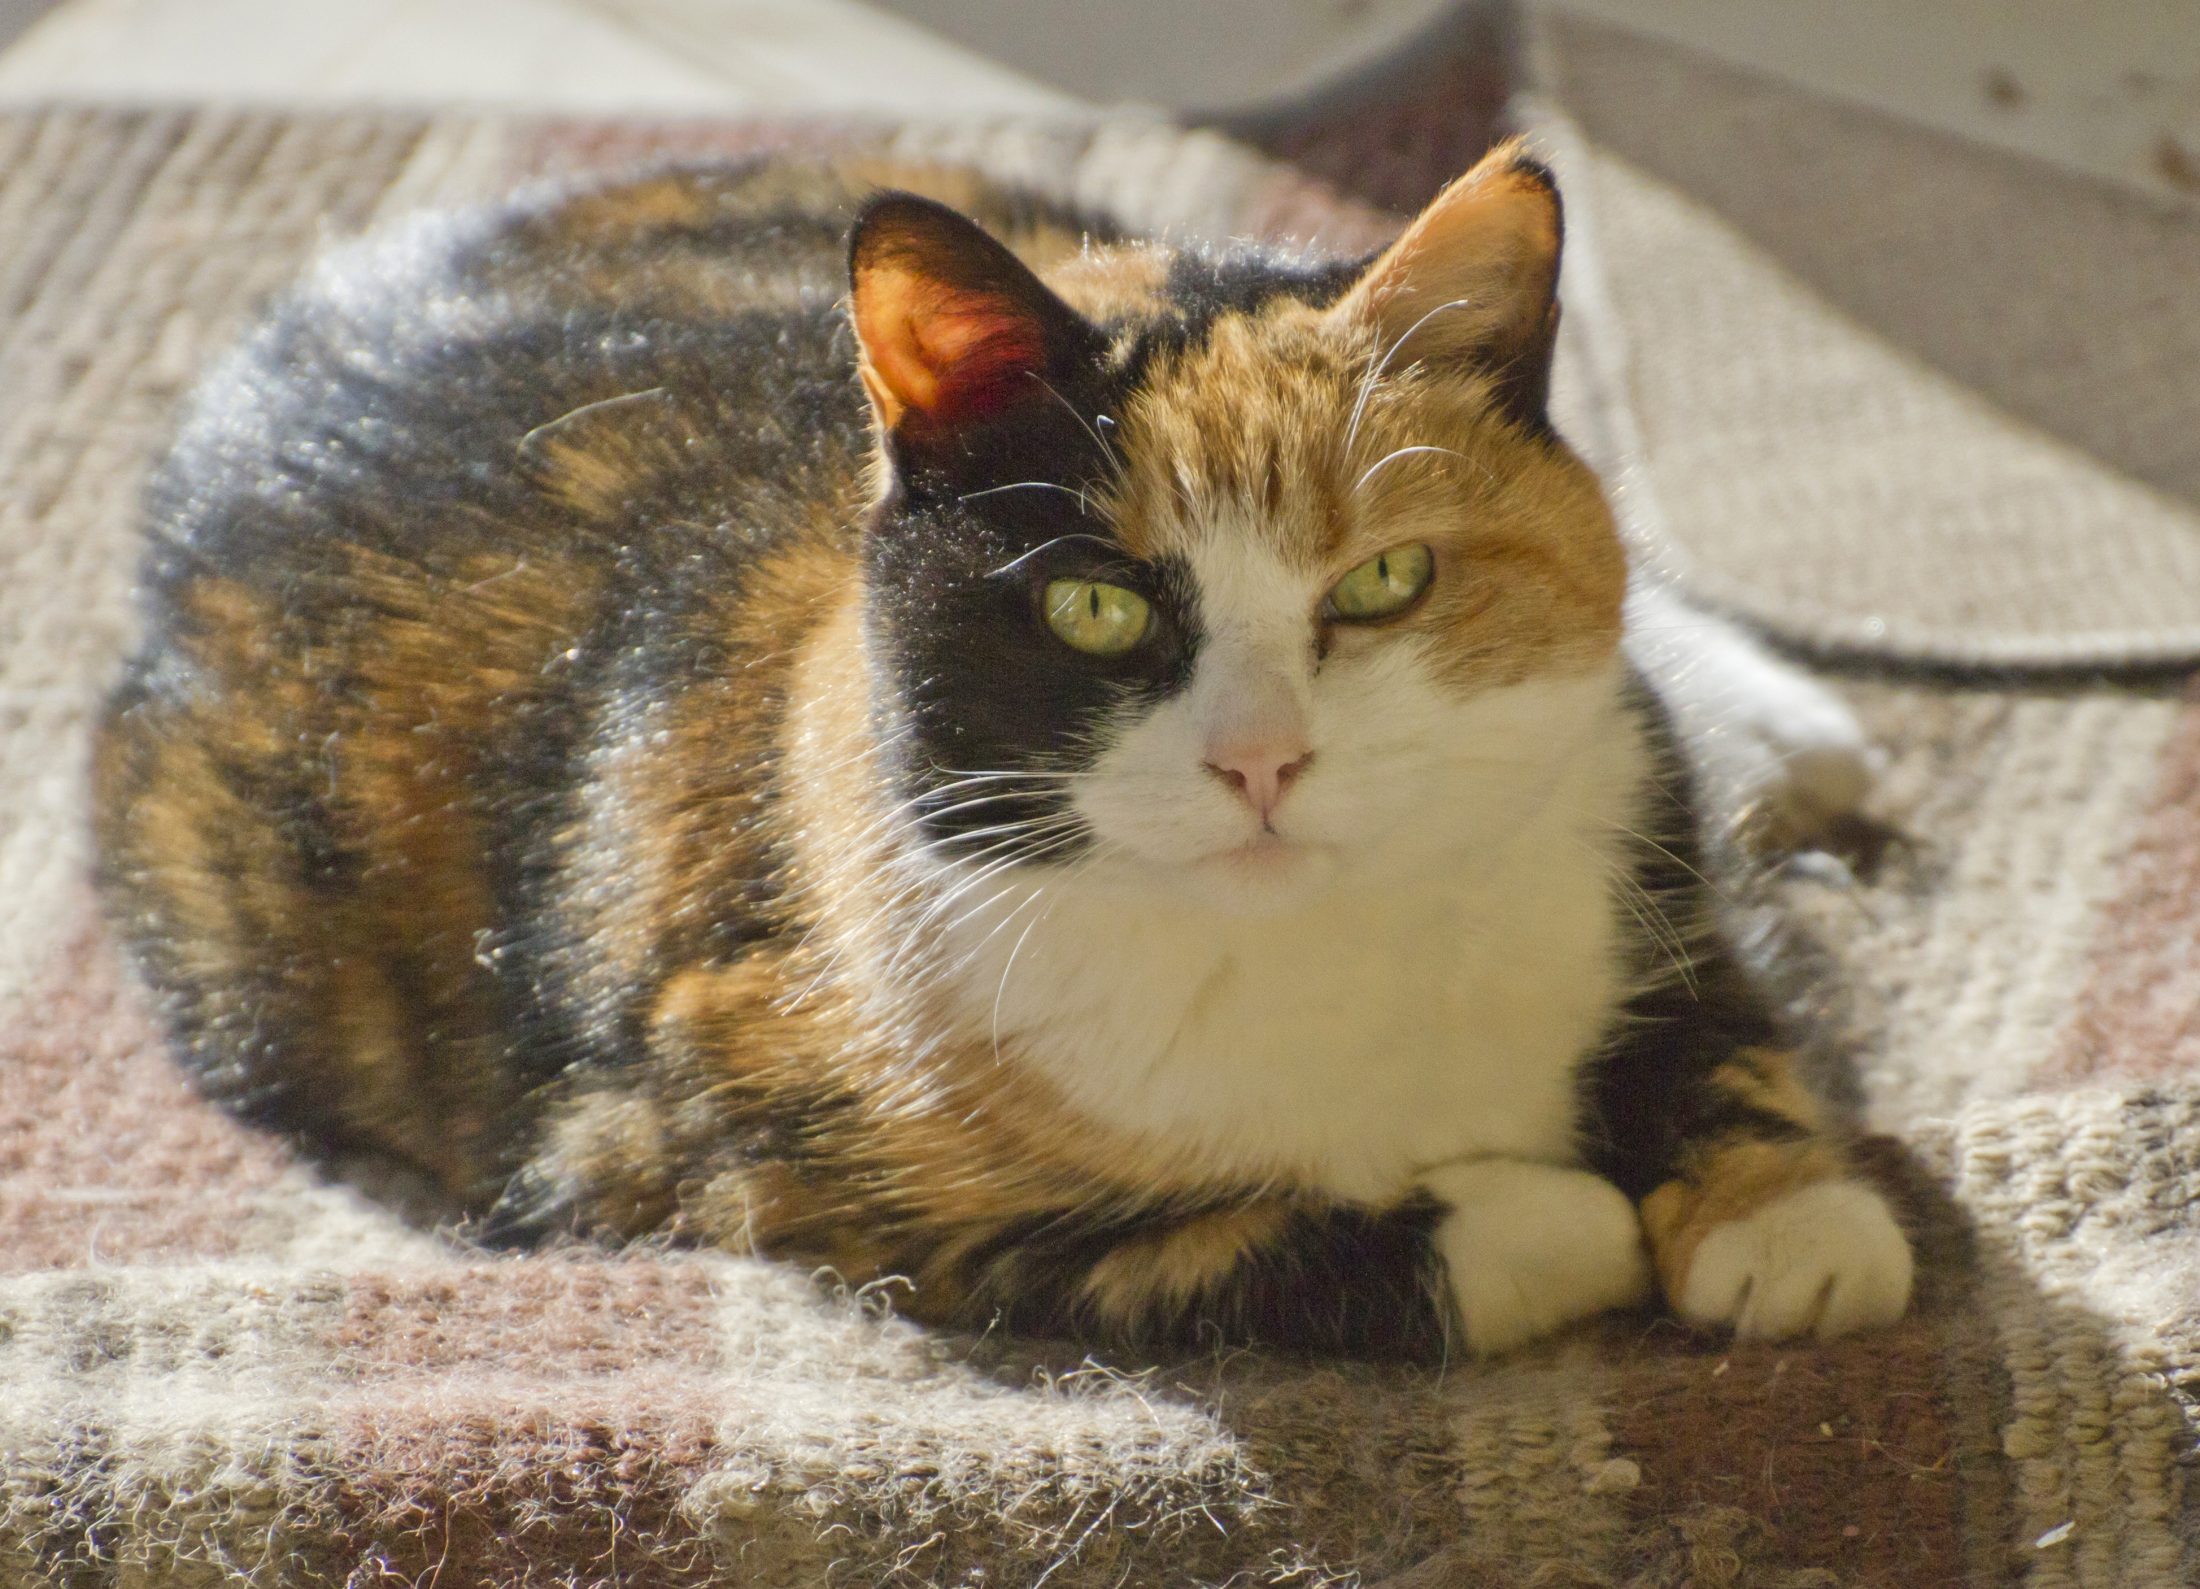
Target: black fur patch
<point>981,519</point>
<point>1336,1279</point>
<point>1649,1095</point>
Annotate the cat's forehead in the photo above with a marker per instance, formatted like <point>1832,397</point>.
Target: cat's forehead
<point>1244,432</point>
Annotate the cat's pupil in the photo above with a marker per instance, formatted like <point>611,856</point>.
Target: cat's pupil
<point>1382,569</point>
<point>1093,595</point>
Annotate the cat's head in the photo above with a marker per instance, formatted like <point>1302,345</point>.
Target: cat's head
<point>1245,574</point>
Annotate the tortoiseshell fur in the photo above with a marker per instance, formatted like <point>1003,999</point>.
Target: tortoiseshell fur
<point>506,620</point>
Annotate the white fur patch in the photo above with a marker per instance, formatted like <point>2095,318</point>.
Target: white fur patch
<point>1408,971</point>
<point>1826,1259</point>
<point>1533,1247</point>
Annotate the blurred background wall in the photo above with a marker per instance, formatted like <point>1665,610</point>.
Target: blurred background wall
<point>2110,88</point>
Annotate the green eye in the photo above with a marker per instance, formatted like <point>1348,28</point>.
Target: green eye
<point>1105,620</point>
<point>1385,584</point>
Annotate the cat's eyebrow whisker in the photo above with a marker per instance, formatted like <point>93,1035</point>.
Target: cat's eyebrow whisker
<point>1044,546</point>
<point>1367,382</point>
<point>1403,452</point>
<point>1098,440</point>
<point>1181,482</point>
<point>1100,426</point>
<point>1084,504</point>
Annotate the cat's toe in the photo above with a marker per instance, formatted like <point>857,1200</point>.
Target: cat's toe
<point>1826,1259</point>
<point>1534,1247</point>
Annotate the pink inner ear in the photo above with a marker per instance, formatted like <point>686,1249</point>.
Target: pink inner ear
<point>953,326</point>
<point>982,354</point>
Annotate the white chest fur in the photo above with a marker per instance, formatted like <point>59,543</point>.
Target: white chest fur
<point>1352,1043</point>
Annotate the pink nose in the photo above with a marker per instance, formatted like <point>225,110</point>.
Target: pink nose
<point>1260,771</point>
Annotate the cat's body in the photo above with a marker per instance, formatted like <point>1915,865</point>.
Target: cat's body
<point>583,749</point>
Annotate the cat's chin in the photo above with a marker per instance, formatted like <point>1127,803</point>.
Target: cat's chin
<point>1263,876</point>
<point>1268,876</point>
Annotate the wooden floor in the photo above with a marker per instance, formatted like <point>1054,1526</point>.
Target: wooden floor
<point>666,56</point>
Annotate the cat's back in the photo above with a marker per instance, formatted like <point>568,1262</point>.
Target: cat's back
<point>425,393</point>
<point>469,503</point>
<point>584,373</point>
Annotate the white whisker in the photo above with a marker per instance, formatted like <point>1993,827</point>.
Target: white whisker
<point>958,772</point>
<point>1001,992</point>
<point>1403,452</point>
<point>1044,546</point>
<point>1367,384</point>
<point>992,868</point>
<point>1099,440</point>
<point>1083,505</point>
<point>1641,838</point>
<point>925,811</point>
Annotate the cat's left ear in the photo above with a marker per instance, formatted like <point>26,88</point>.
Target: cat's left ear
<point>1473,282</point>
<point>953,326</point>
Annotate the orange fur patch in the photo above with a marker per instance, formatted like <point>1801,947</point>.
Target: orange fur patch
<point>1261,431</point>
<point>1173,1268</point>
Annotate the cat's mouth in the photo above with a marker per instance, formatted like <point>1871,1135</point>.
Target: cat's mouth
<point>1266,856</point>
<point>1265,848</point>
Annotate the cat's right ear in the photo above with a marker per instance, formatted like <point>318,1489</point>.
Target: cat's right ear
<point>953,327</point>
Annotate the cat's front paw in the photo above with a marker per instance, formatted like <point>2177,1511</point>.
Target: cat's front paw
<point>1825,1259</point>
<point>1533,1247</point>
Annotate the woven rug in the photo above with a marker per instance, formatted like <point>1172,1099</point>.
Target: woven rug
<point>218,1366</point>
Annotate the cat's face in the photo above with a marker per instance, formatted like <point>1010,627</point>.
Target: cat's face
<point>1268,578</point>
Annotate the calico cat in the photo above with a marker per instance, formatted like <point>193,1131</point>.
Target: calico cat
<point>1099,779</point>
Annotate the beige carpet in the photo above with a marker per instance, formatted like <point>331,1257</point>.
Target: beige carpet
<point>217,1368</point>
